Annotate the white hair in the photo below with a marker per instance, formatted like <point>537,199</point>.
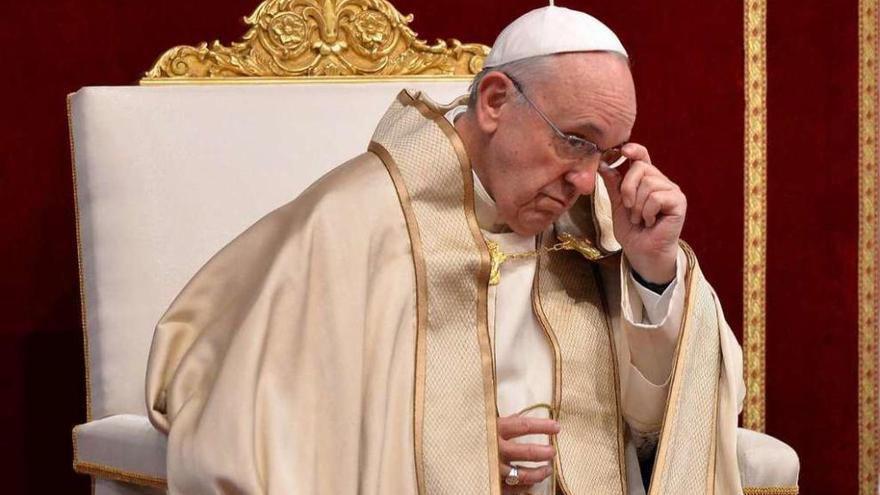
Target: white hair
<point>529,71</point>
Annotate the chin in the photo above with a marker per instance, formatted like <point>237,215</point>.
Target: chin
<point>532,226</point>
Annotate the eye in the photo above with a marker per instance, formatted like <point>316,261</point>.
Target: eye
<point>579,143</point>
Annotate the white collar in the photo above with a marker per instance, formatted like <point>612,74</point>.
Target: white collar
<point>484,205</point>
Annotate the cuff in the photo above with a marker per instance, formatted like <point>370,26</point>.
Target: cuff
<point>656,305</point>
<point>651,322</point>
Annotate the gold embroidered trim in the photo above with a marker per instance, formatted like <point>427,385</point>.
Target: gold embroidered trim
<point>79,264</point>
<point>660,459</point>
<point>487,357</point>
<point>770,490</point>
<point>869,10</point>
<point>538,309</point>
<point>660,455</point>
<point>621,427</point>
<point>571,308</point>
<point>755,218</point>
<point>319,38</point>
<point>472,292</point>
<point>421,307</point>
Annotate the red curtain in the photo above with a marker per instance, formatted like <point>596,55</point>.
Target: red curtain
<point>812,248</point>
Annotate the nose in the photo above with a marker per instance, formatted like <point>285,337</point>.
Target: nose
<point>583,179</point>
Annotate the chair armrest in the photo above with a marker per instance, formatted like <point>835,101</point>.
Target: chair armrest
<point>127,448</point>
<point>124,447</point>
<point>766,465</point>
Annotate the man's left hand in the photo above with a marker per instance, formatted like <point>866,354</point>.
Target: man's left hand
<point>648,211</point>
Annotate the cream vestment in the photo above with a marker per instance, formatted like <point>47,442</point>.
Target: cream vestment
<point>349,342</point>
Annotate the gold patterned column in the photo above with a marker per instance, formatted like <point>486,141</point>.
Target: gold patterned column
<point>868,287</point>
<point>755,221</point>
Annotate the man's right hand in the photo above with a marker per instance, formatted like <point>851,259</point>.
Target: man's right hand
<point>511,427</point>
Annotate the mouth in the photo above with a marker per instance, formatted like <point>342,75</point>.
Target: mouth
<point>553,204</point>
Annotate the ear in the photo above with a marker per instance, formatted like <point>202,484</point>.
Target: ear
<point>495,91</point>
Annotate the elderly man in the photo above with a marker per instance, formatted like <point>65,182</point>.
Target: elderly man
<point>481,303</point>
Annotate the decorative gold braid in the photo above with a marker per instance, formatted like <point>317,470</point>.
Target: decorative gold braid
<point>569,306</point>
<point>770,490</point>
<point>867,263</point>
<point>755,195</point>
<point>308,38</point>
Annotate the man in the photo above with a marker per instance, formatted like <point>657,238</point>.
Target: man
<point>481,303</point>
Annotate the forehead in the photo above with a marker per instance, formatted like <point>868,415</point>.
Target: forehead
<point>592,71</point>
<point>592,90</point>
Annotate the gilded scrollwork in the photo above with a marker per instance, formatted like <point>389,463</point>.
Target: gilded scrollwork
<point>307,38</point>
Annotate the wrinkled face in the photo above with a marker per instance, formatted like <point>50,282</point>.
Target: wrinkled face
<point>590,95</point>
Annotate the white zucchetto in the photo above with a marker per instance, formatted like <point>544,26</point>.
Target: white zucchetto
<point>551,30</point>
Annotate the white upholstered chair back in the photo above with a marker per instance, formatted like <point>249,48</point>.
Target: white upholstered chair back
<point>167,175</point>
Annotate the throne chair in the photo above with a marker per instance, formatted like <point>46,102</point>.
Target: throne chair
<point>214,137</point>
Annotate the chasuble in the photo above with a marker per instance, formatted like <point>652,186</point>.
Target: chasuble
<point>350,342</point>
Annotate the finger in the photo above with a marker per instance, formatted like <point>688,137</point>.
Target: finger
<point>612,178</point>
<point>528,476</point>
<point>635,151</point>
<point>649,184</point>
<point>629,185</point>
<point>517,426</point>
<point>513,451</point>
<point>671,202</point>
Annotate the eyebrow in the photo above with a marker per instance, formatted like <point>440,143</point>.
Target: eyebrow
<point>596,131</point>
<point>588,130</point>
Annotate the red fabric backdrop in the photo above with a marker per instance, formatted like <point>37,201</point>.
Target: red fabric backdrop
<point>812,221</point>
<point>688,65</point>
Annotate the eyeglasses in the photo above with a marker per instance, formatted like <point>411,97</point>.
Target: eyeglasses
<point>571,147</point>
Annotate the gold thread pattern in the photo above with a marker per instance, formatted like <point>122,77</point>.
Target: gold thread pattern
<point>755,221</point>
<point>606,308</point>
<point>317,38</point>
<point>867,262</point>
<point>486,353</point>
<point>538,309</point>
<point>436,113</point>
<point>457,270</point>
<point>570,309</point>
<point>685,458</point>
<point>770,490</point>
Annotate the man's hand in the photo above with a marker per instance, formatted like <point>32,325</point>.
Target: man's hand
<point>511,427</point>
<point>648,211</point>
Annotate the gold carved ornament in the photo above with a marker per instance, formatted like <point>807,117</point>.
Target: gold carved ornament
<point>315,38</point>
